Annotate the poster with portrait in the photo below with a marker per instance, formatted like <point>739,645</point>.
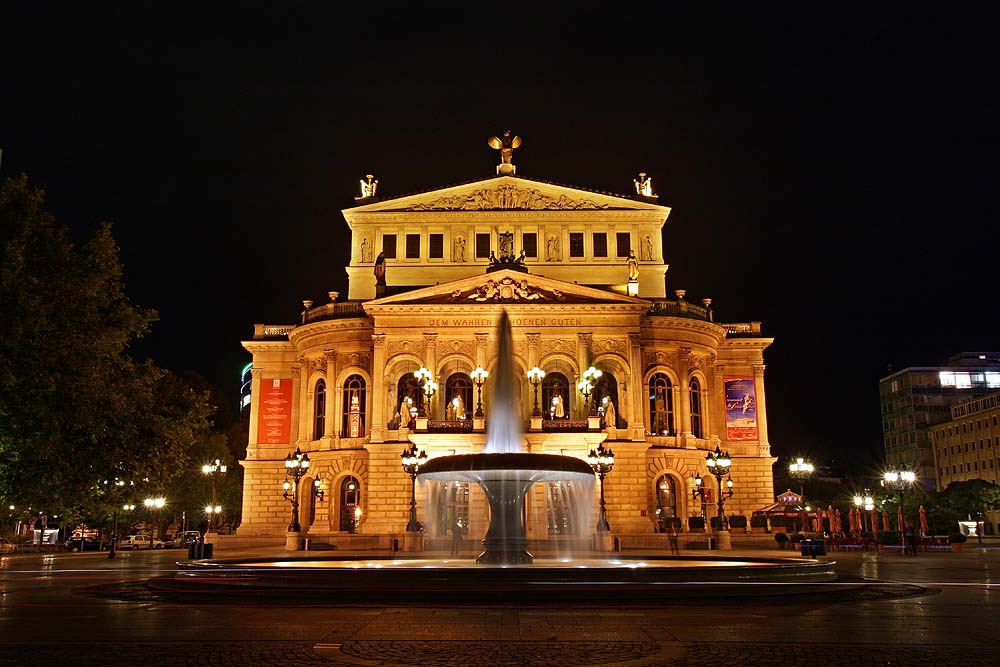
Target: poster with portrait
<point>274,412</point>
<point>741,409</point>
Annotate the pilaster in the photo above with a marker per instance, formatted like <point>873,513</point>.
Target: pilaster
<point>758,382</point>
<point>637,410</point>
<point>378,392</point>
<point>332,395</point>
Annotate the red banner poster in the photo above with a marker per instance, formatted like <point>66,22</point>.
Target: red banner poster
<point>274,412</point>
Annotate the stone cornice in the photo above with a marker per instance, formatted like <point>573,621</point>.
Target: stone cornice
<point>255,346</point>
<point>471,218</point>
<point>354,324</point>
<point>661,323</point>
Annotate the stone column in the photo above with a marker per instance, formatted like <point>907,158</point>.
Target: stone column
<point>298,392</point>
<point>255,374</point>
<point>710,419</point>
<point>684,389</point>
<point>304,402</point>
<point>637,410</point>
<point>377,417</point>
<point>332,395</point>
<point>758,383</point>
<point>584,341</point>
<point>533,340</point>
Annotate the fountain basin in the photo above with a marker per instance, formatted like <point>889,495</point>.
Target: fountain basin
<point>505,479</point>
<point>423,580</point>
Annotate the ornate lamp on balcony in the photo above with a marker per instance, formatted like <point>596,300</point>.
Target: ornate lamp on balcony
<point>535,376</point>
<point>479,376</point>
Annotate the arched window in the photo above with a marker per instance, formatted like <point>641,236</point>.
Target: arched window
<point>408,394</point>
<point>453,508</point>
<point>563,500</point>
<point>319,410</point>
<point>350,501</point>
<point>607,388</point>
<point>695,408</point>
<point>555,386</point>
<point>661,405</point>
<point>354,407</point>
<point>458,386</point>
<point>666,502</point>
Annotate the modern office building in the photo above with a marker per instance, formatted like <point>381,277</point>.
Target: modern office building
<point>915,399</point>
<point>583,278</point>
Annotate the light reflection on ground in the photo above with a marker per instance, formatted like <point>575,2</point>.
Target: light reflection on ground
<point>538,564</point>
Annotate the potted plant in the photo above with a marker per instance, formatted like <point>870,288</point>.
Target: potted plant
<point>781,539</point>
<point>696,524</point>
<point>796,538</point>
<point>956,540</point>
<point>779,524</point>
<point>738,522</point>
<point>758,524</point>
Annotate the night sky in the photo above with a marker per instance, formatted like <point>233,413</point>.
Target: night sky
<point>831,173</point>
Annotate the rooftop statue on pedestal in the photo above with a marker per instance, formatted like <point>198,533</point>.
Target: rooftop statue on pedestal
<point>506,147</point>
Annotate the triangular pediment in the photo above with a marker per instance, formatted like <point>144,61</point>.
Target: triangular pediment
<point>508,193</point>
<point>505,287</point>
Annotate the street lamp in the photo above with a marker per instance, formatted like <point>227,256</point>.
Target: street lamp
<point>296,466</point>
<point>602,461</point>
<point>535,376</point>
<point>868,503</point>
<point>719,464</point>
<point>424,379</point>
<point>801,470</point>
<point>899,481</point>
<point>479,376</point>
<point>412,459</point>
<point>153,504</point>
<point>215,468</point>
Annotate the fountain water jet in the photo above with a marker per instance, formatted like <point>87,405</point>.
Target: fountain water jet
<point>503,471</point>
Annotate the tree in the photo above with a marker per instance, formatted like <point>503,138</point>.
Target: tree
<point>964,500</point>
<point>76,411</point>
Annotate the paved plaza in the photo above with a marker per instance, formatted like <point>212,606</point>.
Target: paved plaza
<point>933,609</point>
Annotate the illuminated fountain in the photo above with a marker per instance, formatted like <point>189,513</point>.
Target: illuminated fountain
<point>503,472</point>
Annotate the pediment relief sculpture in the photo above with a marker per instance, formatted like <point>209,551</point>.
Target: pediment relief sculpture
<point>506,197</point>
<point>507,289</point>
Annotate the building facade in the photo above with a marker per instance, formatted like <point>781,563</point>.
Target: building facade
<point>967,447</point>
<point>915,399</point>
<point>582,276</point>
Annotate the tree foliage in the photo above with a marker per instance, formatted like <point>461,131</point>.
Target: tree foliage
<point>76,411</point>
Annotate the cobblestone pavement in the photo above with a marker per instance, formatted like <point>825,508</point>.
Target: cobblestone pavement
<point>70,609</point>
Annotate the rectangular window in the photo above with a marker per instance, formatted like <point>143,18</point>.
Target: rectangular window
<point>389,246</point>
<point>482,246</point>
<point>435,246</point>
<point>412,246</point>
<point>624,242</point>
<point>529,243</point>
<point>576,244</point>
<point>600,244</point>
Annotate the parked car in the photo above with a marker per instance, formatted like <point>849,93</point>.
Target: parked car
<point>85,544</point>
<point>185,539</point>
<point>138,542</point>
<point>6,546</point>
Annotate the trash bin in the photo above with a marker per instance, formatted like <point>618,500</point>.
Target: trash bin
<point>207,550</point>
<point>813,547</point>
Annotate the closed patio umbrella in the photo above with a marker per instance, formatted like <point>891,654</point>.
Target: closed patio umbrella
<point>885,520</point>
<point>829,519</point>
<point>923,520</point>
<point>837,528</point>
<point>900,523</point>
<point>873,516</point>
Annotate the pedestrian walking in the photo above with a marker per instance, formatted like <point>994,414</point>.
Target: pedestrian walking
<point>674,548</point>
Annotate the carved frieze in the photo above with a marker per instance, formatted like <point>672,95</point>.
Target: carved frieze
<point>393,347</point>
<point>466,347</point>
<point>358,359</point>
<point>612,345</point>
<point>507,197</point>
<point>551,345</point>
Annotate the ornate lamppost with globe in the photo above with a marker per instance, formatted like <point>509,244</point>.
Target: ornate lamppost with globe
<point>586,387</point>
<point>602,460</point>
<point>866,502</point>
<point>424,379</point>
<point>296,467</point>
<point>801,470</point>
<point>900,481</point>
<point>411,459</point>
<point>719,464</point>
<point>213,469</point>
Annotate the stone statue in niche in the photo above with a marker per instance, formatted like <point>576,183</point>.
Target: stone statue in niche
<point>366,250</point>
<point>552,251</point>
<point>647,249</point>
<point>458,253</point>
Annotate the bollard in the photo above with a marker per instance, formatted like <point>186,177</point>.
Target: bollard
<point>305,543</point>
